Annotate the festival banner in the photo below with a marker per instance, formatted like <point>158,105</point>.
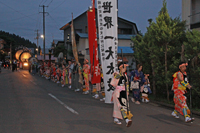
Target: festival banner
<point>108,40</point>
<point>74,48</point>
<point>93,48</point>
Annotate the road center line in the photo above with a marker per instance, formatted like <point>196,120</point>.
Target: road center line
<point>67,107</point>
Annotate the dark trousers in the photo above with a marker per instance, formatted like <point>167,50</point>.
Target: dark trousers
<point>136,94</point>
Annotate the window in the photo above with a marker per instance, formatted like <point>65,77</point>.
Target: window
<point>78,30</point>
<point>86,29</point>
<point>87,51</point>
<point>124,31</point>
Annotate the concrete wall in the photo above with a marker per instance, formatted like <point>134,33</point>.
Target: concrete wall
<point>191,13</point>
<point>82,45</point>
<point>186,11</point>
<point>195,12</point>
<point>125,43</point>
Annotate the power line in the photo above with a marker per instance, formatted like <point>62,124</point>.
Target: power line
<point>50,2</point>
<point>41,2</point>
<point>55,22</point>
<point>19,18</point>
<point>58,5</point>
<point>16,10</point>
<point>44,1</point>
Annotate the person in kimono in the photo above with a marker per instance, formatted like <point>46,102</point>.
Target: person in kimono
<point>180,86</point>
<point>86,72</point>
<point>120,96</point>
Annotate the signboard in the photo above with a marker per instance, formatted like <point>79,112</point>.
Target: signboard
<point>108,40</point>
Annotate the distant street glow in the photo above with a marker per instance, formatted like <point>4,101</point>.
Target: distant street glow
<point>25,64</point>
<point>42,36</point>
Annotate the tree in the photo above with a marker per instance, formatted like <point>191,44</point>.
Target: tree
<point>191,52</point>
<point>161,41</point>
<point>59,49</point>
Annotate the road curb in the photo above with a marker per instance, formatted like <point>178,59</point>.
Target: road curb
<point>172,106</point>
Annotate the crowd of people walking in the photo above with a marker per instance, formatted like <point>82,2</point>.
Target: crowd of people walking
<point>78,78</point>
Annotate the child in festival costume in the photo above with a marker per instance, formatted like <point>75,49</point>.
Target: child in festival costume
<point>120,96</point>
<point>69,73</point>
<point>80,80</point>
<point>86,72</point>
<point>66,73</point>
<point>48,73</point>
<point>58,75</point>
<point>42,69</point>
<point>180,83</point>
<point>54,72</point>
<point>63,75</point>
<point>146,89</point>
<point>98,85</point>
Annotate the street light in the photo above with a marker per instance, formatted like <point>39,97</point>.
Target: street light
<point>36,51</point>
<point>42,36</point>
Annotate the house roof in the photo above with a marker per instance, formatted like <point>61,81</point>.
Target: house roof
<point>57,40</point>
<point>120,36</point>
<point>125,50</point>
<point>119,18</point>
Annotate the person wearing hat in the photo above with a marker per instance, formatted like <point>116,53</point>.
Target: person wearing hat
<point>86,72</point>
<point>120,96</point>
<point>180,84</point>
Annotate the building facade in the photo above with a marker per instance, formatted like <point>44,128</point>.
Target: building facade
<point>126,30</point>
<point>191,13</point>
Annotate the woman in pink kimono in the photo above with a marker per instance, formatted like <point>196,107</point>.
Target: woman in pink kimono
<point>86,72</point>
<point>120,96</point>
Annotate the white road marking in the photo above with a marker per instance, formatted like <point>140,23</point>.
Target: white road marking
<point>33,82</point>
<point>67,107</point>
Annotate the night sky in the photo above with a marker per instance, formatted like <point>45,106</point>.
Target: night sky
<point>22,17</point>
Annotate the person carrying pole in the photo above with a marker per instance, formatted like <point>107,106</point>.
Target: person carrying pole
<point>120,96</point>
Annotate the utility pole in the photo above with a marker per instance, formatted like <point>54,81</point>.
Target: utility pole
<point>44,28</point>
<point>37,37</point>
<point>11,56</point>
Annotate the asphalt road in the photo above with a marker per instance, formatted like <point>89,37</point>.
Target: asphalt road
<point>32,104</point>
